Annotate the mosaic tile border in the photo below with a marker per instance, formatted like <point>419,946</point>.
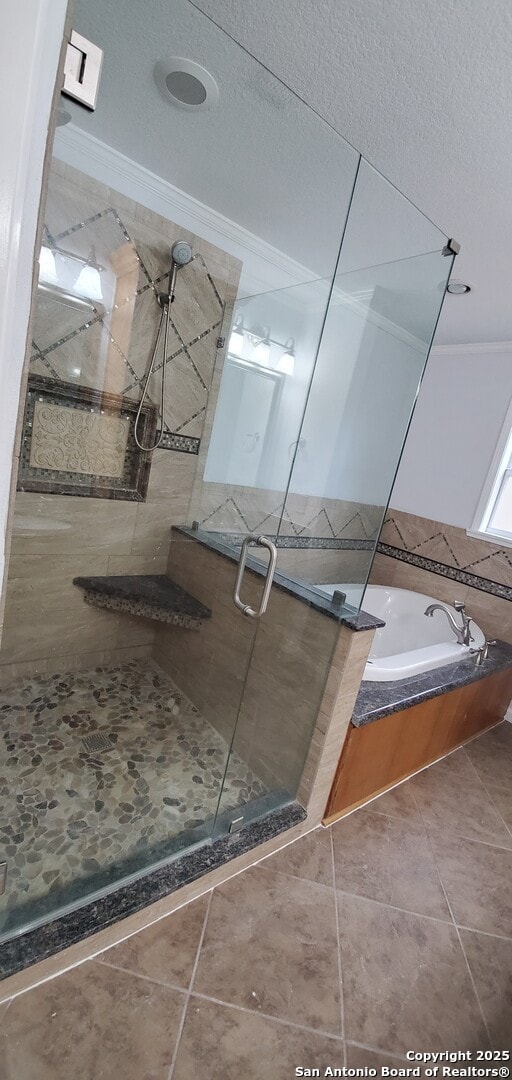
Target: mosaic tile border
<point>494,588</point>
<point>185,444</point>
<point>132,485</point>
<point>38,944</point>
<point>145,611</point>
<point>309,543</point>
<point>425,536</point>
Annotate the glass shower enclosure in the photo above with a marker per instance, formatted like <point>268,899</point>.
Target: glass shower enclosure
<point>178,702</point>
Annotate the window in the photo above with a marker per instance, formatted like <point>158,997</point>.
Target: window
<point>493,517</point>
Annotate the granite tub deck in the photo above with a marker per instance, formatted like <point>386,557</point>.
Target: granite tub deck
<point>378,699</point>
<point>75,817</point>
<point>400,727</point>
<point>152,596</point>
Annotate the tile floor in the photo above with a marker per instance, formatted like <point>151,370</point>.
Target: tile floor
<point>391,931</point>
<point>72,820</point>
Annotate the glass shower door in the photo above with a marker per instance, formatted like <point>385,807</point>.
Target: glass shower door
<point>237,505</point>
<point>356,407</point>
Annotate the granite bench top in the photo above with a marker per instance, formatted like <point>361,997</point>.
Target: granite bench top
<point>152,596</point>
<point>377,699</point>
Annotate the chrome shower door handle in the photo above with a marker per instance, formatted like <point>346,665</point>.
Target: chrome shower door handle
<point>260,541</point>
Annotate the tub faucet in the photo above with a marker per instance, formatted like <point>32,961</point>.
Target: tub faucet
<point>462,633</point>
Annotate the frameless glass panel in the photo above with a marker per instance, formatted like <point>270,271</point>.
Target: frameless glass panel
<point>355,403</point>
<point>378,329</point>
<point>256,165</point>
<point>271,350</point>
<point>156,715</point>
<point>119,712</point>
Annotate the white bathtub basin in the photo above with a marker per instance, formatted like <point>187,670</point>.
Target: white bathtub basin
<point>410,642</point>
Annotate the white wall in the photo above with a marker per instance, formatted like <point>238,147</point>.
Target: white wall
<point>461,407</point>
<point>30,44</point>
<point>363,391</point>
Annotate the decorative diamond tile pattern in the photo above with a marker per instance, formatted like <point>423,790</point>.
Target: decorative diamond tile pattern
<point>304,518</point>
<point>447,545</point>
<point>111,342</point>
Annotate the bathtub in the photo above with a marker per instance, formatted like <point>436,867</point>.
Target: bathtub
<point>409,642</point>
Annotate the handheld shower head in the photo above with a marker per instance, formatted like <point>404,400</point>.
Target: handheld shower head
<point>181,253</point>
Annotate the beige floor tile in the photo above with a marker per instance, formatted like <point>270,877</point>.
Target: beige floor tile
<point>502,799</point>
<point>399,803</point>
<point>477,880</point>
<point>490,960</point>
<point>491,755</point>
<point>92,1022</point>
<point>3,1010</point>
<point>228,1044</point>
<point>358,1057</point>
<point>309,858</point>
<point>165,951</point>
<point>389,860</point>
<point>451,798</point>
<point>405,981</point>
<point>270,946</point>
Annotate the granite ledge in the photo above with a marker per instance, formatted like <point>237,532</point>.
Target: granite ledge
<point>378,699</point>
<point>152,596</point>
<point>306,593</point>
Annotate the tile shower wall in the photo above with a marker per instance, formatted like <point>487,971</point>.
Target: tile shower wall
<point>333,524</point>
<point>447,563</point>
<point>56,537</point>
<point>287,673</point>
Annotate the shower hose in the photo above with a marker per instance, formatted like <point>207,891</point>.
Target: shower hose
<point>165,302</point>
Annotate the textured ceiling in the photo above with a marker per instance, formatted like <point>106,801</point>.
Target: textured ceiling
<point>422,88</point>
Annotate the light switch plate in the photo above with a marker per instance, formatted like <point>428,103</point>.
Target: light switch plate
<point>82,69</point>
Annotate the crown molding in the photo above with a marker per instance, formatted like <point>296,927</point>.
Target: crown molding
<point>265,266</point>
<point>474,349</point>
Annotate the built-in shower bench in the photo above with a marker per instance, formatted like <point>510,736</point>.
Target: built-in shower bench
<point>152,596</point>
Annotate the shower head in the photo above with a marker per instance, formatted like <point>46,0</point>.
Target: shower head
<point>181,253</point>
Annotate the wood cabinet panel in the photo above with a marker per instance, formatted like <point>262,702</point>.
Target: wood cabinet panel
<point>379,754</point>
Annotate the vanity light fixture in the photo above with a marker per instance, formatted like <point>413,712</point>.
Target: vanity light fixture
<point>47,267</point>
<point>458,288</point>
<point>262,348</point>
<point>89,281</point>
<point>286,363</point>
<point>82,280</point>
<point>236,339</point>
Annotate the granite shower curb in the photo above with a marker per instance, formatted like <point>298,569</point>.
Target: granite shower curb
<point>25,949</point>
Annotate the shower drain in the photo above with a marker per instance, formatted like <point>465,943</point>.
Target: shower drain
<point>93,744</point>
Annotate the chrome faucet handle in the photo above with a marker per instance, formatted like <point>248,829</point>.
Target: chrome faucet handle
<point>486,647</point>
<point>459,605</point>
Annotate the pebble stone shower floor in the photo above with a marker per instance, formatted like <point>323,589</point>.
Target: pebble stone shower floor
<point>69,813</point>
